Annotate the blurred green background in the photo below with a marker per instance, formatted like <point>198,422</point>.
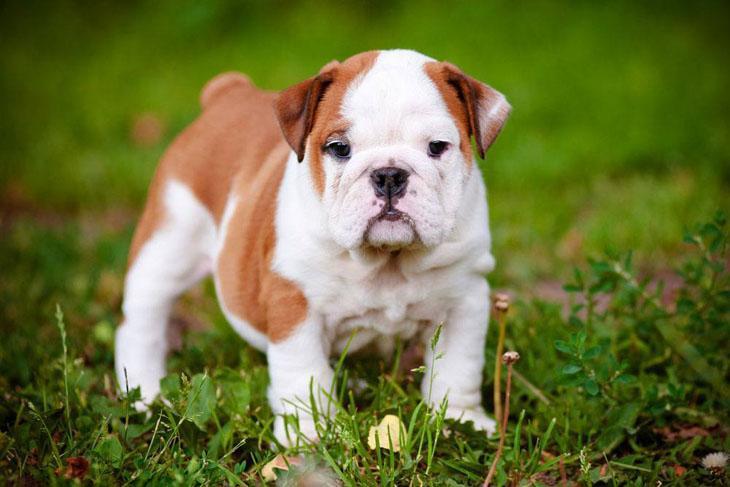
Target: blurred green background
<point>618,138</point>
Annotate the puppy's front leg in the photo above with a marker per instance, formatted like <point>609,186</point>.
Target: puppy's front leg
<point>298,366</point>
<point>457,369</point>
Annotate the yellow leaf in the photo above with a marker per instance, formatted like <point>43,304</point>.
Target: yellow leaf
<point>279,463</point>
<point>390,425</point>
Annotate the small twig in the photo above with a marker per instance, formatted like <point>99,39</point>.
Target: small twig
<point>563,476</point>
<point>508,358</point>
<point>501,306</point>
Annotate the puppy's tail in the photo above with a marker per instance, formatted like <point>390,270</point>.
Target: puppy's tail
<point>221,84</point>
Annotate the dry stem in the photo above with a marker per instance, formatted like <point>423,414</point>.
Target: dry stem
<point>509,358</point>
<point>501,306</point>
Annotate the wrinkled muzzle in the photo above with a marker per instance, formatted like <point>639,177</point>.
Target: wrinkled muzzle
<point>389,202</point>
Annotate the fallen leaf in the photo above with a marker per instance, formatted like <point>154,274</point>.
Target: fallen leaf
<point>76,468</point>
<point>280,462</point>
<point>390,431</point>
<point>32,457</point>
<point>544,478</point>
<point>691,432</point>
<point>682,433</point>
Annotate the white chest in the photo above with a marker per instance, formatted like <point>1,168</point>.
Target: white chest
<point>380,304</point>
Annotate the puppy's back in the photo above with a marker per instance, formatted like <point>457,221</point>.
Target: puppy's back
<point>233,135</point>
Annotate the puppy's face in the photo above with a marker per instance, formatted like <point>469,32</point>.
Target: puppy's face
<point>386,136</point>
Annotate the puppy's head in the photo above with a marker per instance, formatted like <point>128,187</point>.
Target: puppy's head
<point>386,137</point>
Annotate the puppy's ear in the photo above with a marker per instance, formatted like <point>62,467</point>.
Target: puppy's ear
<point>483,109</point>
<point>296,107</point>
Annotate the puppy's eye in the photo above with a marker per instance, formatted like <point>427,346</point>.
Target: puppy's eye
<point>437,147</point>
<point>338,149</point>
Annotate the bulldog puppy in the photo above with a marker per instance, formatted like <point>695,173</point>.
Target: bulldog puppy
<point>350,201</point>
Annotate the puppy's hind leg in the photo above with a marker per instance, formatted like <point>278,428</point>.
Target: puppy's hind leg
<point>177,236</point>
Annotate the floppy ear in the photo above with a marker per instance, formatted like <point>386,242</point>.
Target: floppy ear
<point>485,109</point>
<point>296,106</point>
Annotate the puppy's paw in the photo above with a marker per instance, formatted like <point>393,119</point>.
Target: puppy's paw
<point>138,363</point>
<point>149,387</point>
<point>290,431</point>
<point>475,415</point>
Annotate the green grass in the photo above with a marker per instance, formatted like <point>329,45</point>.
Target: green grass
<point>601,387</point>
<point>618,141</point>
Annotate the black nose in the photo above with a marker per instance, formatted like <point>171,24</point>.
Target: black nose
<point>389,182</point>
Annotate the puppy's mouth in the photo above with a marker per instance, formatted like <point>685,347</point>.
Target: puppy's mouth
<point>391,228</point>
<point>391,215</point>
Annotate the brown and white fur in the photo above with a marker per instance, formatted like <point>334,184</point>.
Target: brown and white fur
<point>302,249</point>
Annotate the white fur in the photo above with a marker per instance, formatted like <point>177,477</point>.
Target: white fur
<point>176,257</point>
<point>299,369</point>
<point>351,278</point>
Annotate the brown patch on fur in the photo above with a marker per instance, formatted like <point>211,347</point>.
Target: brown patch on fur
<point>152,217</point>
<point>457,108</point>
<point>233,134</point>
<point>248,286</point>
<point>296,107</point>
<point>469,101</point>
<point>235,146</point>
<point>310,110</point>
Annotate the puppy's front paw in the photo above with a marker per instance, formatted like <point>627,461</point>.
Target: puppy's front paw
<point>476,415</point>
<point>290,432</point>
